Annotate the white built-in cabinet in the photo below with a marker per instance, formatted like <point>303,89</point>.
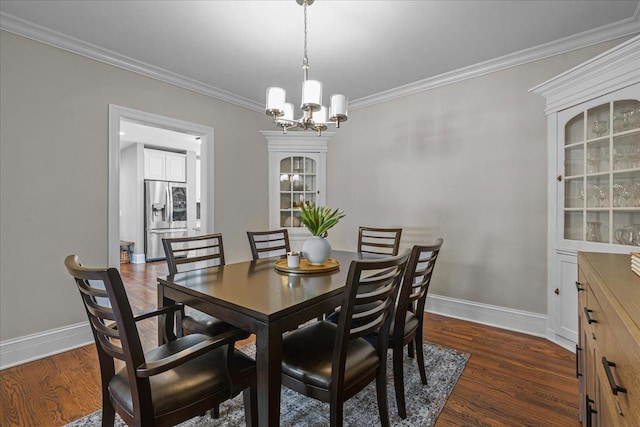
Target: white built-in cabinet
<point>297,175</point>
<point>164,165</point>
<point>593,128</point>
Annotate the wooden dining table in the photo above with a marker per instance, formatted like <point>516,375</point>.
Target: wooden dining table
<point>256,297</point>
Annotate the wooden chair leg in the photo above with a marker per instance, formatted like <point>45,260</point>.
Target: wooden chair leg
<point>250,399</point>
<point>411,350</point>
<point>420,353</point>
<point>215,412</point>
<point>108,411</point>
<point>337,413</point>
<point>108,414</point>
<point>398,380</point>
<point>381,392</point>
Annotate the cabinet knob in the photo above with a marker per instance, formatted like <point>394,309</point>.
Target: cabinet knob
<point>557,291</point>
<point>559,178</point>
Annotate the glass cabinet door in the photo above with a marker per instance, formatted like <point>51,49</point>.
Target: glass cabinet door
<point>601,171</point>
<point>298,185</point>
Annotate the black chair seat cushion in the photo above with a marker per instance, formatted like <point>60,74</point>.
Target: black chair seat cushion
<point>307,355</point>
<point>169,390</point>
<point>197,322</point>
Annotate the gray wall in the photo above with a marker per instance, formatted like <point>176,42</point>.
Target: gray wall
<point>53,182</point>
<point>466,162</point>
<point>132,196</point>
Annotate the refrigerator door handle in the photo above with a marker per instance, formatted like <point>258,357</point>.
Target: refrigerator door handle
<point>167,231</point>
<point>169,205</point>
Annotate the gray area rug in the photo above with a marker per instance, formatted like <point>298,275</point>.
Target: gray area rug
<point>424,402</point>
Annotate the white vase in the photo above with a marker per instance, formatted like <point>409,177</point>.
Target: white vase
<point>316,250</point>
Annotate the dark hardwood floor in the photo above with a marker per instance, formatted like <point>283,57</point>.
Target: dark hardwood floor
<point>511,379</point>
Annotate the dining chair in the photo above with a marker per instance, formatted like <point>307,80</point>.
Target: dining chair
<point>332,362</point>
<point>266,244</point>
<point>406,328</point>
<point>191,253</point>
<point>166,385</point>
<point>379,241</point>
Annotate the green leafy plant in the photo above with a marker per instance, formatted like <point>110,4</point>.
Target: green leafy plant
<point>319,219</point>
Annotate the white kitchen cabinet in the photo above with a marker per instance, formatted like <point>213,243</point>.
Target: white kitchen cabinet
<point>297,174</point>
<point>164,165</point>
<point>593,128</point>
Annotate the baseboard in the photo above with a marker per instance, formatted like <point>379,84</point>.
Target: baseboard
<point>561,341</point>
<point>137,259</point>
<point>492,315</point>
<point>36,346</point>
<point>32,347</point>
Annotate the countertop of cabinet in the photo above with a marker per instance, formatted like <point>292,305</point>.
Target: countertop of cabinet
<point>613,271</point>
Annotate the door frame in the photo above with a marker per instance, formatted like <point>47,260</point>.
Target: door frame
<point>118,113</point>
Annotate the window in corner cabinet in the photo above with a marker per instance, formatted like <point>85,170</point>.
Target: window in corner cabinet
<point>600,163</point>
<point>298,185</point>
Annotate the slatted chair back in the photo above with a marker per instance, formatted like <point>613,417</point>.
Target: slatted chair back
<point>379,241</point>
<point>190,253</point>
<point>266,244</point>
<point>416,281</point>
<point>370,295</point>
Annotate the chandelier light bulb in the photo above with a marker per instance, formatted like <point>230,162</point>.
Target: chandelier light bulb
<point>288,111</point>
<point>338,112</point>
<point>321,116</point>
<point>311,95</point>
<point>275,101</point>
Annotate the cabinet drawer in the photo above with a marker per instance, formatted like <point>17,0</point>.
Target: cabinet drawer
<point>607,414</point>
<point>623,351</point>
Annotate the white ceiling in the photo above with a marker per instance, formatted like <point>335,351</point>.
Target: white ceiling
<point>234,50</point>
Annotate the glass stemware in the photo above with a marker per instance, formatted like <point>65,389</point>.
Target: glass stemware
<point>600,127</point>
<point>635,189</point>
<point>581,197</point>
<point>626,194</point>
<point>602,196</point>
<point>593,160</point>
<point>593,231</point>
<point>616,190</point>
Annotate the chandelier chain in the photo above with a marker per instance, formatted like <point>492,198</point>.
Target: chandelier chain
<point>305,61</point>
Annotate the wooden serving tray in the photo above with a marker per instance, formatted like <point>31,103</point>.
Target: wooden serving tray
<point>304,267</point>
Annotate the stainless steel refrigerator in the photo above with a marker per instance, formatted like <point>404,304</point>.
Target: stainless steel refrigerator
<point>165,212</point>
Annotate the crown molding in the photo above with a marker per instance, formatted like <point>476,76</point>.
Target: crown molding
<point>625,27</point>
<point>605,73</point>
<point>39,33</point>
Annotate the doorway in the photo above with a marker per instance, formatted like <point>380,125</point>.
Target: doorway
<point>121,119</point>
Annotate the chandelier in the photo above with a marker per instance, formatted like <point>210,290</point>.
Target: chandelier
<point>314,114</point>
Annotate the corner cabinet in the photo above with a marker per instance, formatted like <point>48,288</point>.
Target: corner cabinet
<point>297,174</point>
<point>593,130</point>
